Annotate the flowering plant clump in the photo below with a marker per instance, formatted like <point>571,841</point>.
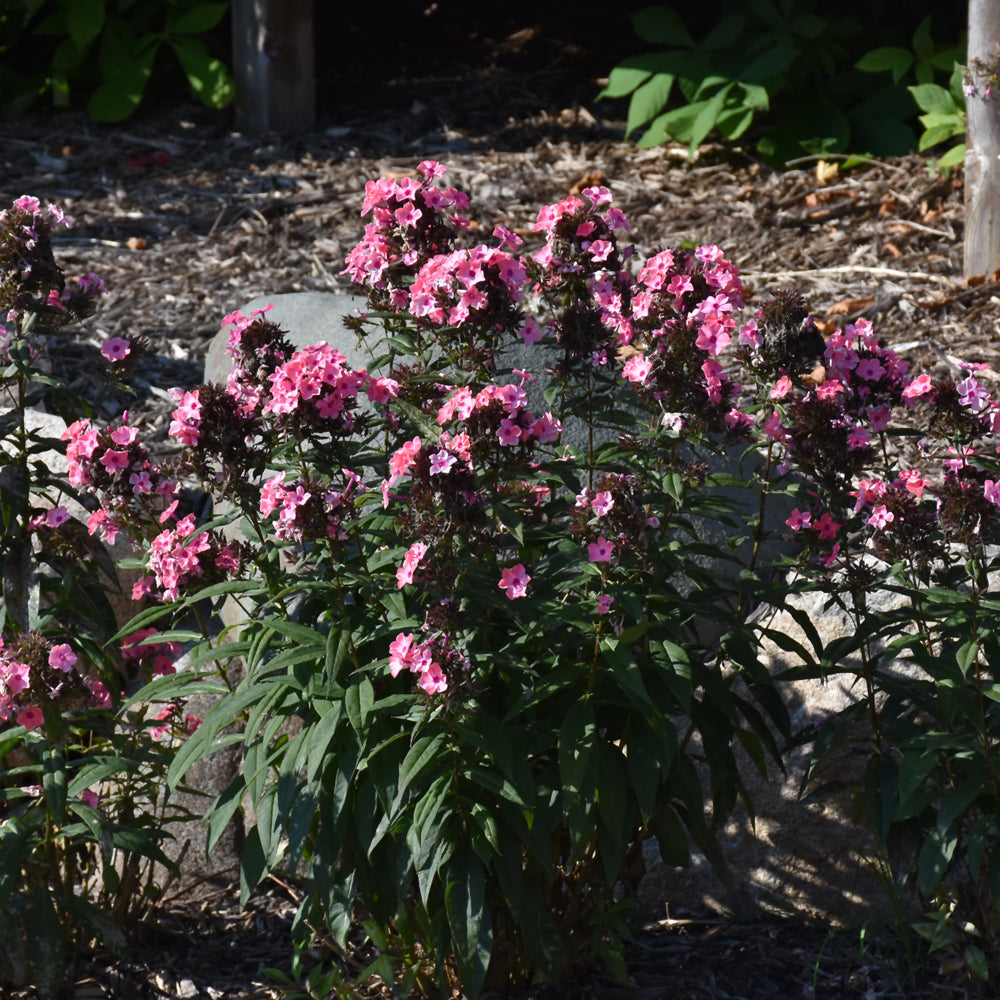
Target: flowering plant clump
<point>81,798</point>
<point>482,598</point>
<point>487,645</point>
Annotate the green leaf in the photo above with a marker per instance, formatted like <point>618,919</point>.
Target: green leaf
<point>54,783</point>
<point>47,943</point>
<point>253,864</point>
<point>648,101</point>
<point>933,99</point>
<point>209,78</point>
<point>672,838</point>
<point>197,20</point>
<point>728,32</point>
<point>469,918</point>
<point>358,701</point>
<point>890,58</point>
<point>953,157</point>
<point>84,21</point>
<point>770,63</point>
<point>661,26</point>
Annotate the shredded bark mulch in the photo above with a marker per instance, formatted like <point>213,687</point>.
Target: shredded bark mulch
<point>186,220</point>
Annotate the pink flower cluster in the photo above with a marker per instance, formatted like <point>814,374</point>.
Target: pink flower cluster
<point>408,230</point>
<point>466,285</point>
<point>117,468</point>
<point>418,658</point>
<point>181,555</point>
<point>35,673</point>
<point>308,509</point>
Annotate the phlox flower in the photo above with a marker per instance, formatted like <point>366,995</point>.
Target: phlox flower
<point>546,429</point>
<point>15,676</point>
<point>918,387</point>
<point>62,657</point>
<point>508,432</point>
<point>880,517</point>
<point>531,332</point>
<point>913,481</point>
<point>869,369</point>
<point>89,798</point>
<point>829,389</point>
<point>116,348</point>
<point>600,250</point>
<point>56,516</point>
<point>30,718</point>
<point>600,551</point>
<point>433,680</point>
<point>404,457</point>
<point>868,492</point>
<point>781,387</point>
<point>602,503</point>
<point>830,557</point>
<point>100,694</point>
<point>514,580</point>
<point>773,427</point>
<point>113,461</point>
<point>637,368</point>
<point>972,394</point>
<point>991,491</point>
<point>749,336</point>
<point>414,554</point>
<point>826,526</point>
<point>679,284</point>
<point>858,437</point>
<point>799,519</point>
<point>441,462</point>
<point>400,652</point>
<point>603,603</point>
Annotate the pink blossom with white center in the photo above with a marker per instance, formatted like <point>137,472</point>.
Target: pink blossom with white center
<point>514,580</point>
<point>604,603</point>
<point>799,519</point>
<point>602,503</point>
<point>62,657</point>
<point>601,550</point>
<point>116,349</point>
<point>880,517</point>
<point>972,394</point>
<point>637,368</point>
<point>140,482</point>
<point>781,388</point>
<point>441,462</point>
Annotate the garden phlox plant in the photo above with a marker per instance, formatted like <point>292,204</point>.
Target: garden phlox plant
<point>469,600</point>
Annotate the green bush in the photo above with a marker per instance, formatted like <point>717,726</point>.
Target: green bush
<point>107,49</point>
<point>779,70</point>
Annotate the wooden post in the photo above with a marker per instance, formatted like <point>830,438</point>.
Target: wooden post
<point>273,59</point>
<point>982,151</point>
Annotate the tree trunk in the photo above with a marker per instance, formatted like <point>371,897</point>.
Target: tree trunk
<point>273,65</point>
<point>982,154</point>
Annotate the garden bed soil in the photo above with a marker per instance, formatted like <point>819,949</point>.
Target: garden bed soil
<point>186,220</point>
